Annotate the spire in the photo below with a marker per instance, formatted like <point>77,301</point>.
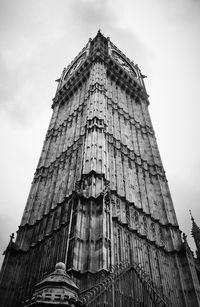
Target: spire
<point>191,215</point>
<point>12,236</point>
<point>195,228</point>
<point>196,234</point>
<point>99,33</point>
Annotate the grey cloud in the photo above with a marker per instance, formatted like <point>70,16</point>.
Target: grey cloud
<point>181,11</point>
<point>92,12</point>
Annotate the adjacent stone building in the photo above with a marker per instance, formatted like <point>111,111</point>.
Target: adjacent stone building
<point>196,235</point>
<point>99,201</point>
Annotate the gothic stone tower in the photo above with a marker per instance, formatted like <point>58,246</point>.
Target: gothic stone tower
<point>99,200</point>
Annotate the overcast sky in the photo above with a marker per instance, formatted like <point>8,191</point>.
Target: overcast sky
<point>39,38</point>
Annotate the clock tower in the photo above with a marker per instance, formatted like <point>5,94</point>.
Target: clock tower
<point>99,204</point>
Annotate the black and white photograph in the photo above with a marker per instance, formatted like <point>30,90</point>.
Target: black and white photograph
<point>100,153</point>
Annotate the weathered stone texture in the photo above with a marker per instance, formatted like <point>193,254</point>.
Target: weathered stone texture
<point>99,196</point>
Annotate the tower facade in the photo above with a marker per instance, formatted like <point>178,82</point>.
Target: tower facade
<point>99,200</point>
